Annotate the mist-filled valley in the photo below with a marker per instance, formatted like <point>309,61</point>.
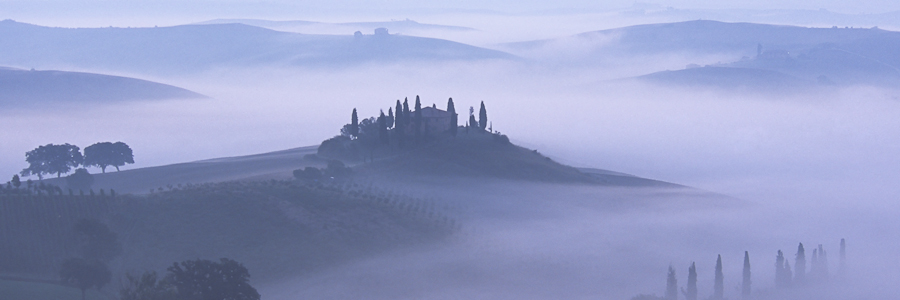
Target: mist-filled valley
<point>613,149</point>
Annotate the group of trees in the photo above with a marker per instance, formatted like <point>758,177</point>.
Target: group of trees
<point>384,127</point>
<point>784,278</point>
<point>58,159</point>
<point>199,279</point>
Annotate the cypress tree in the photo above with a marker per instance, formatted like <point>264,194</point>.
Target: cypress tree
<point>453,117</point>
<point>691,293</point>
<point>779,270</point>
<point>813,274</point>
<point>800,266</point>
<point>382,128</point>
<point>406,113</point>
<point>823,263</point>
<point>671,285</point>
<point>390,118</point>
<point>398,120</point>
<point>719,286</point>
<point>745,285</point>
<point>354,124</point>
<point>417,119</point>
<point>787,274</point>
<point>482,117</point>
<point>842,267</point>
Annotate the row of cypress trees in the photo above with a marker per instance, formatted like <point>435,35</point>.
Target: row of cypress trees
<point>784,277</point>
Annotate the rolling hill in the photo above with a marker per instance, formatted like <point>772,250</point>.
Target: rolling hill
<point>195,48</point>
<point>402,26</point>
<point>844,56</point>
<point>23,88</point>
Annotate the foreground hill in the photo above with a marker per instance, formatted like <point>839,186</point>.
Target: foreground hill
<point>194,48</point>
<point>276,228</point>
<point>840,56</point>
<point>33,88</point>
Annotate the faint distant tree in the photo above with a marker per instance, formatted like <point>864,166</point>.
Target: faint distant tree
<point>147,287</point>
<point>84,274</point>
<point>482,117</point>
<point>208,280</point>
<point>354,124</point>
<point>453,117</point>
<point>96,241</point>
<point>691,292</point>
<point>390,118</point>
<point>800,266</point>
<point>719,285</point>
<point>50,158</point>
<point>80,180</point>
<point>107,154</point>
<point>417,120</point>
<point>842,264</point>
<point>382,128</point>
<point>779,270</point>
<point>788,276</point>
<point>671,285</point>
<point>16,182</point>
<point>745,284</point>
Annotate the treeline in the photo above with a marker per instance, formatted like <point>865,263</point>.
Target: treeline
<point>785,277</point>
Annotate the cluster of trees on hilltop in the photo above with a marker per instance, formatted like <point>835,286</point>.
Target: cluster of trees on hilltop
<point>406,123</point>
<point>59,159</point>
<point>784,277</point>
<point>400,127</point>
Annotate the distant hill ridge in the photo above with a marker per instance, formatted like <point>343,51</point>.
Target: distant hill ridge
<point>23,88</point>
<point>194,48</point>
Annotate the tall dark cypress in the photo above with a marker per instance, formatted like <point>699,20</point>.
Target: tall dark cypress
<point>453,117</point>
<point>745,284</point>
<point>671,285</point>
<point>417,119</point>
<point>398,120</point>
<point>482,117</point>
<point>354,124</point>
<point>779,270</point>
<point>382,128</point>
<point>719,285</point>
<point>407,115</point>
<point>691,292</point>
<point>390,118</point>
<point>800,266</point>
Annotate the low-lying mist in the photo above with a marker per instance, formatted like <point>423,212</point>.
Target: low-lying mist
<point>811,168</point>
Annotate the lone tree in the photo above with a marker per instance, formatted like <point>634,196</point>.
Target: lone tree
<point>719,286</point>
<point>16,182</point>
<point>671,285</point>
<point>482,117</point>
<point>745,285</point>
<point>108,154</point>
<point>354,124</point>
<point>50,158</point>
<point>84,274</point>
<point>453,117</point>
<point>691,292</point>
<point>96,241</point>
<point>208,280</point>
